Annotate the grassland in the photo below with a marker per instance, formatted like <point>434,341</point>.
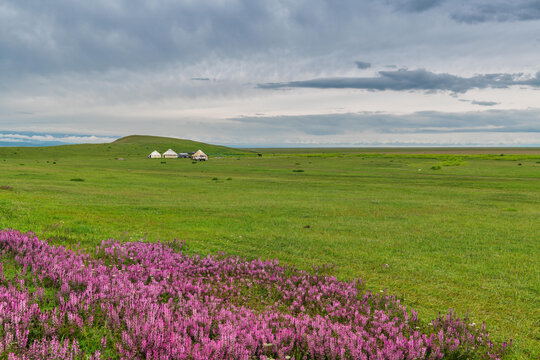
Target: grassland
<point>441,230</point>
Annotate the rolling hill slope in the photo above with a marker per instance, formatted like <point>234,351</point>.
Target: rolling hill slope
<point>161,144</point>
<point>126,147</point>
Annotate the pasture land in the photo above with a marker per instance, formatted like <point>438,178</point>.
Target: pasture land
<point>402,150</point>
<point>442,231</point>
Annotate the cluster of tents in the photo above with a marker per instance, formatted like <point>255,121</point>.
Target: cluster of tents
<point>170,154</point>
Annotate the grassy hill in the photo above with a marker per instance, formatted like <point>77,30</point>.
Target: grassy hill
<point>134,146</point>
<point>138,143</point>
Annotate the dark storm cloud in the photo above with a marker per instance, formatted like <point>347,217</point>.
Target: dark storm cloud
<point>403,80</point>
<point>362,64</point>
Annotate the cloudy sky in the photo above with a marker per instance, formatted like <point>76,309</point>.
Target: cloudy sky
<point>272,73</point>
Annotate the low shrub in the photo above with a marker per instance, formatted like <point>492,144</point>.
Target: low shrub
<point>453,163</point>
<point>298,170</point>
<point>76,179</point>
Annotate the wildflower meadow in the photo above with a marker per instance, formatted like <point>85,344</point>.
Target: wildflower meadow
<point>143,300</point>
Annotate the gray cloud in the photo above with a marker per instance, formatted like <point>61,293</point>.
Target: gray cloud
<point>499,11</point>
<point>62,36</point>
<point>475,11</point>
<point>67,37</point>
<point>362,64</point>
<point>426,128</point>
<point>403,80</point>
<point>418,5</point>
<point>480,103</point>
<point>484,103</point>
<point>418,122</point>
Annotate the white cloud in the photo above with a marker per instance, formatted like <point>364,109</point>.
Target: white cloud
<point>47,138</point>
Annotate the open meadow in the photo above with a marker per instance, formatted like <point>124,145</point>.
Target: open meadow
<point>454,230</point>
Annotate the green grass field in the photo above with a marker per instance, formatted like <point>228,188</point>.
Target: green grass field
<point>442,231</point>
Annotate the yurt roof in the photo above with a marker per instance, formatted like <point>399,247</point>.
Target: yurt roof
<point>199,153</point>
<point>155,152</point>
<point>169,152</point>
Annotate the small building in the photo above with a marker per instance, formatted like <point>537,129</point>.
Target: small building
<point>183,155</point>
<point>170,154</point>
<point>154,155</point>
<point>199,155</point>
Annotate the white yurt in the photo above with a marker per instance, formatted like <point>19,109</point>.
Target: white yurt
<point>170,154</point>
<point>199,155</point>
<point>154,155</point>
